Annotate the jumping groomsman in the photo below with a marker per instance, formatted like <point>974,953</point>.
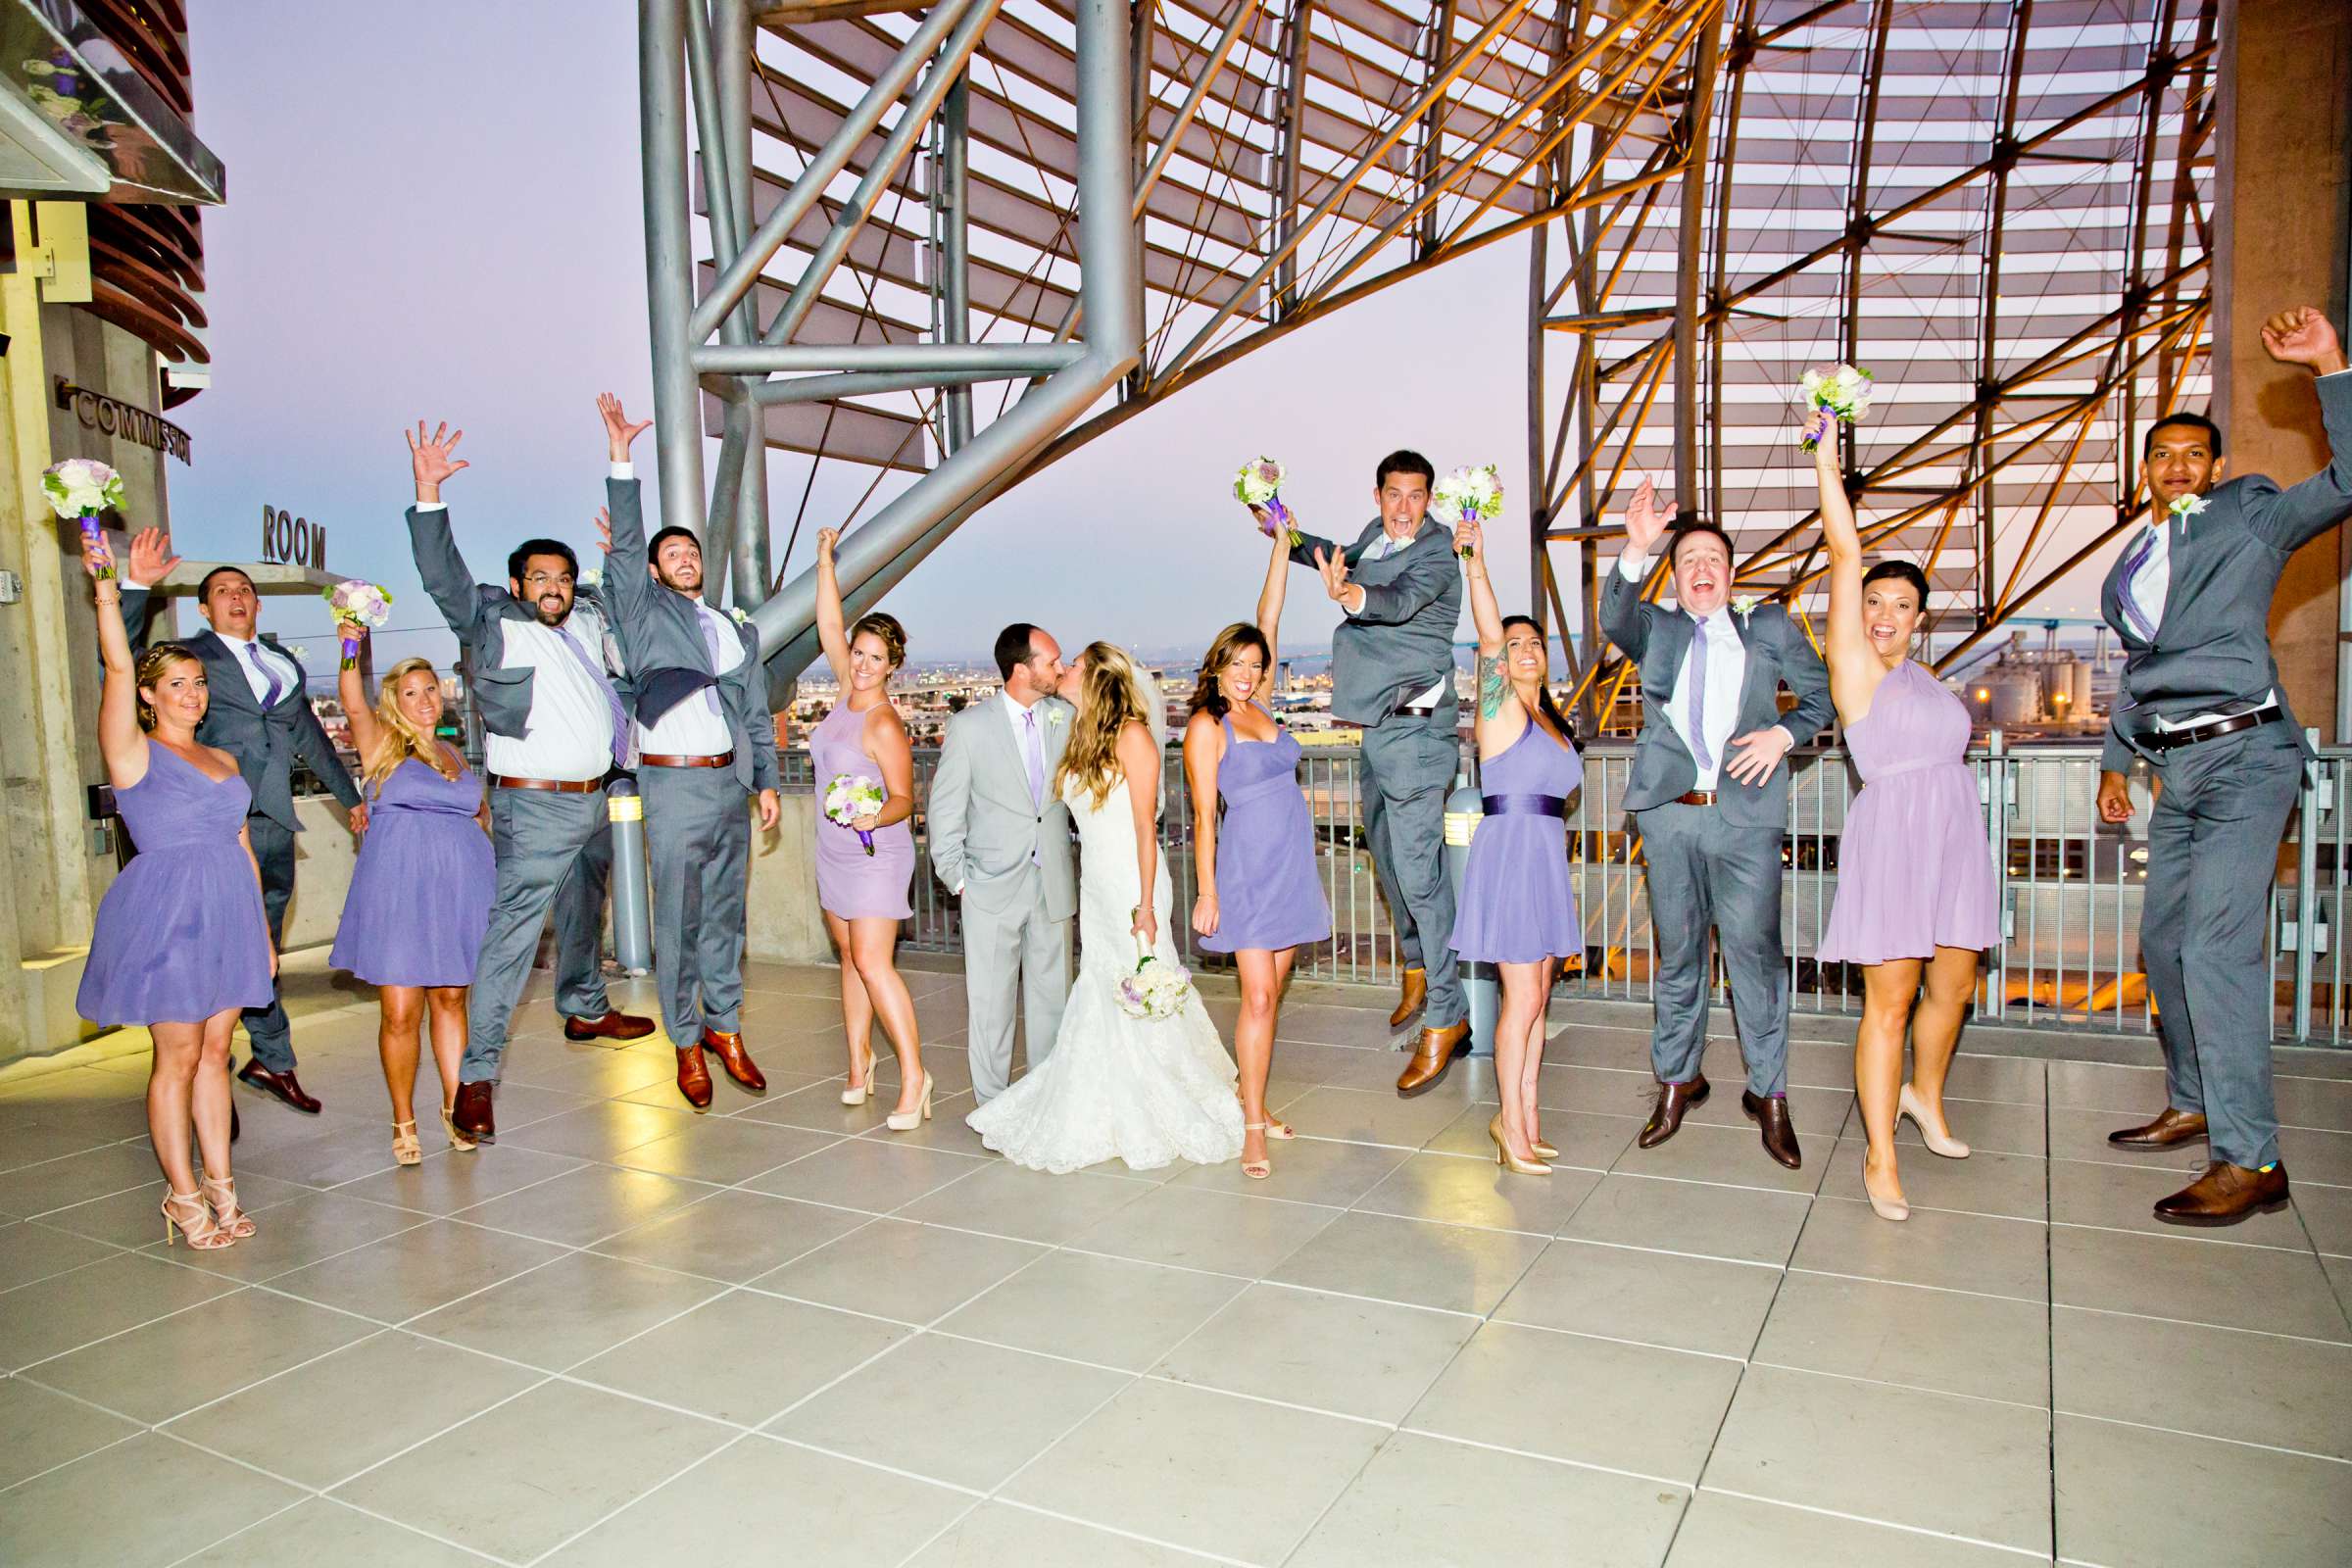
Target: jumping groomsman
<point>1709,792</point>
<point>261,716</point>
<point>2190,598</point>
<point>706,749</point>
<point>554,730</point>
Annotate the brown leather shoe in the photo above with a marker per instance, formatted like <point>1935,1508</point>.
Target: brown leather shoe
<point>1770,1113</point>
<point>280,1084</point>
<point>1410,1000</point>
<point>2171,1128</point>
<point>612,1024</point>
<point>1666,1118</point>
<point>694,1078</point>
<point>2225,1195</point>
<point>471,1112</point>
<point>1433,1055</point>
<point>737,1060</point>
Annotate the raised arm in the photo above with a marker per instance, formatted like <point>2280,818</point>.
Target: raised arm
<point>1427,575</point>
<point>2290,517</point>
<point>1623,617</point>
<point>120,739</point>
<point>1204,755</point>
<point>150,562</point>
<point>628,585</point>
<point>443,569</point>
<point>830,633</point>
<point>1139,760</point>
<point>1269,598</point>
<point>1498,706</point>
<point>312,745</point>
<point>1854,667</point>
<point>358,712</point>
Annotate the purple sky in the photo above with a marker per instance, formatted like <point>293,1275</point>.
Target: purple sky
<point>434,211</point>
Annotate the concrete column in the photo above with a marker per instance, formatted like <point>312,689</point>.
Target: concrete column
<point>2283,185</point>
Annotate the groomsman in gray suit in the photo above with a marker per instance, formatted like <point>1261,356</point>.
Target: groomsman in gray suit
<point>1392,672</point>
<point>707,743</point>
<point>261,716</point>
<point>1709,792</point>
<point>1000,842</point>
<point>2190,598</point>
<point>554,730</point>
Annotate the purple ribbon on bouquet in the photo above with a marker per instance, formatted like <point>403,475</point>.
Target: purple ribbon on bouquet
<point>94,533</point>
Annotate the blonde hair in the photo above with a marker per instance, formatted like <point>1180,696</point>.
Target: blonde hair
<point>153,665</point>
<point>402,739</point>
<point>1110,697</point>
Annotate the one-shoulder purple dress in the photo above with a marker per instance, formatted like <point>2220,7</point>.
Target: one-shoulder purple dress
<point>1518,903</point>
<point>1914,866</point>
<point>1268,896</point>
<point>850,883</point>
<point>180,935</point>
<point>419,898</point>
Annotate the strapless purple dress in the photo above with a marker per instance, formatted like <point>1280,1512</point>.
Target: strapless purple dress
<point>1914,866</point>
<point>1518,903</point>
<point>850,883</point>
<point>420,894</point>
<point>1267,892</point>
<point>180,935</point>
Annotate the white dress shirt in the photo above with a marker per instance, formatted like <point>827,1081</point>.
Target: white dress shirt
<point>289,679</point>
<point>697,727</point>
<point>1727,674</point>
<point>1379,549</point>
<point>2147,589</point>
<point>569,734</point>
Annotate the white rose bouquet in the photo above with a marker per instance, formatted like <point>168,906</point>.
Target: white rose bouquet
<point>851,796</point>
<point>361,602</point>
<point>1155,990</point>
<point>1473,493</point>
<point>1843,390</point>
<point>1259,484</point>
<point>84,487</point>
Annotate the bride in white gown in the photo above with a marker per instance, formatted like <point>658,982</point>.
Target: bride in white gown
<point>1116,1087</point>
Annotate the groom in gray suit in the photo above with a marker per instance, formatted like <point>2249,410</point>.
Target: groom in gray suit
<point>2190,598</point>
<point>1000,842</point>
<point>1709,792</point>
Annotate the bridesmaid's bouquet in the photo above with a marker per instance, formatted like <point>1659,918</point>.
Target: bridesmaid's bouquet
<point>83,488</point>
<point>1473,493</point>
<point>362,601</point>
<point>851,796</point>
<point>1841,390</point>
<point>1155,990</point>
<point>1259,484</point>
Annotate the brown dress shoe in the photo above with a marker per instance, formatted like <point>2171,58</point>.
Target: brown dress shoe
<point>280,1084</point>
<point>694,1078</point>
<point>1667,1118</point>
<point>737,1060</point>
<point>2225,1195</point>
<point>1408,1002</point>
<point>611,1025</point>
<point>2171,1128</point>
<point>1770,1113</point>
<point>470,1113</point>
<point>1433,1055</point>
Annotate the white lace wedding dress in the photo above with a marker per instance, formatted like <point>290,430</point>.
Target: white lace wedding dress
<point>1115,1087</point>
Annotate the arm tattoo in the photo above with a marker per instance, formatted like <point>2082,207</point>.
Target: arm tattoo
<point>1491,687</point>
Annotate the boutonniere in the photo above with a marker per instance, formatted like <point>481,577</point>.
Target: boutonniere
<point>741,620</point>
<point>1054,718</point>
<point>1745,606</point>
<point>591,578</point>
<point>2185,508</point>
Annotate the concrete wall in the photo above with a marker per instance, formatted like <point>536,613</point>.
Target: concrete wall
<point>785,924</point>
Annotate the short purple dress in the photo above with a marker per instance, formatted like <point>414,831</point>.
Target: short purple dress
<point>850,883</point>
<point>420,894</point>
<point>1268,896</point>
<point>1914,866</point>
<point>1518,903</point>
<point>180,935</point>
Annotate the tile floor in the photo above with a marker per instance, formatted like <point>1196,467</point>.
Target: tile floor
<point>778,1332</point>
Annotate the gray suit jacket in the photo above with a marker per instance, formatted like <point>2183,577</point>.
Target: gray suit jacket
<point>982,824</point>
<point>265,744</point>
<point>1777,653</point>
<point>660,633</point>
<point>2212,649</point>
<point>1403,641</point>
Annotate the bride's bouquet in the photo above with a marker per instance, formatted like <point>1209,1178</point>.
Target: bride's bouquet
<point>1155,990</point>
<point>1473,493</point>
<point>1843,390</point>
<point>851,796</point>
<point>361,602</point>
<point>1259,484</point>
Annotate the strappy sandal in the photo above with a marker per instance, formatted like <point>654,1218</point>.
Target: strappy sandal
<point>187,1215</point>
<point>1275,1127</point>
<point>405,1147</point>
<point>1257,1170</point>
<point>223,1196</point>
<point>449,1124</point>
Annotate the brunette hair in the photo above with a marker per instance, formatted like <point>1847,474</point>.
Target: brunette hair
<point>2195,421</point>
<point>1403,460</point>
<point>1207,697</point>
<point>153,664</point>
<point>1899,572</point>
<point>1544,697</point>
<point>1013,645</point>
<point>886,627</point>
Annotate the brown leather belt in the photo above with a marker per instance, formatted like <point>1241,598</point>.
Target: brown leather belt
<point>1696,798</point>
<point>558,786</point>
<point>722,759</point>
<point>2164,740</point>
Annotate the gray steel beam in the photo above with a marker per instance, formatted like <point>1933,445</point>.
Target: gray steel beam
<point>670,259</point>
<point>759,359</point>
<point>720,182</point>
<point>735,52</point>
<point>865,383</point>
<point>954,195</point>
<point>1687,292</point>
<point>1433,129</point>
<point>1296,29</point>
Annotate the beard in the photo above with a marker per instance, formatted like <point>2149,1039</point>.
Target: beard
<point>550,618</point>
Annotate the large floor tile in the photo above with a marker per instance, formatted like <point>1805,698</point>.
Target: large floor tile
<point>1112,1310</point>
<point>1932,1461</point>
<point>897,1269</point>
<point>2326,1212</point>
<point>1426,1500</point>
<point>30,1250</point>
<point>996,1533</point>
<point>1684,1303</point>
<point>138,1504</point>
<point>861,1174</point>
<point>1191,1228</point>
<point>2080,1134</point>
<point>176,1363</point>
<point>2018,1080</point>
<point>585,1206</point>
<point>32,1189</point>
<point>1587,1142</point>
<point>2214,1382</point>
<point>1986,1126</point>
<point>1950,1251</point>
<point>1727,1532</point>
<point>2321,1103</point>
<point>2196,1281</point>
<point>1991,1346</point>
<point>742,1357</point>
<point>2120,1198</point>
<point>129,1218</point>
<point>1255,1476</point>
<point>295,1234</point>
<point>2134,1497</point>
<point>725,1149</point>
<point>457,1180</point>
<point>1745,1224</point>
<point>2009,1186</point>
<point>416,1270</point>
<point>2127,1091</point>
<point>2315,1157</point>
<point>1004,1199</point>
<point>40,1430</point>
<point>1457,1190</point>
<point>1378,1116</point>
<point>322,1532</point>
<point>735,1236</point>
<point>1339,1353</point>
<point>1733,1156</point>
<point>1459,1268</point>
<point>601,1131</point>
<point>521,1479</point>
<point>1306,1170</point>
<point>577,1306</point>
<point>1636,1408</point>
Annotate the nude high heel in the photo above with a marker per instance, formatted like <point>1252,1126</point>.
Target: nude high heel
<point>185,1213</point>
<point>1907,1103</point>
<point>223,1196</point>
<point>1508,1160</point>
<point>1257,1170</point>
<point>457,1140</point>
<point>914,1118</point>
<point>1892,1209</point>
<point>857,1094</point>
<point>405,1149</point>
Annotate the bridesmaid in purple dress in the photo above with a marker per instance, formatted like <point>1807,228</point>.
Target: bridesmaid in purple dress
<point>1517,909</point>
<point>419,898</point>
<point>1916,903</point>
<point>179,944</point>
<point>865,896</point>
<point>1259,899</point>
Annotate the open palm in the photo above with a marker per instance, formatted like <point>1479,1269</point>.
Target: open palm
<point>435,456</point>
<point>1645,521</point>
<point>151,558</point>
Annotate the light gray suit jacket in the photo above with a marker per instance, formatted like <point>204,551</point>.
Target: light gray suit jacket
<point>982,824</point>
<point>1401,643</point>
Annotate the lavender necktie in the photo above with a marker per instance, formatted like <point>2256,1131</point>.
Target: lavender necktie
<point>711,644</point>
<point>1698,695</point>
<point>596,673</point>
<point>2132,612</point>
<point>277,688</point>
<point>1036,754</point>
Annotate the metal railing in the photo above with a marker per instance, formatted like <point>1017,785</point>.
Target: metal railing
<point>2070,885</point>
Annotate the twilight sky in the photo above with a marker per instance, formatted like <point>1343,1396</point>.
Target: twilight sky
<point>434,212</point>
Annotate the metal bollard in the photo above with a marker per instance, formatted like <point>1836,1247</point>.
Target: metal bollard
<point>1463,813</point>
<point>632,917</point>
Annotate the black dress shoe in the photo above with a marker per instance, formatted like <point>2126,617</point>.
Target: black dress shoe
<point>470,1113</point>
<point>1770,1113</point>
<point>1674,1100</point>
<point>281,1084</point>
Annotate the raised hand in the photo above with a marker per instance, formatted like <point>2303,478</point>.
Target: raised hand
<point>1334,568</point>
<point>1821,428</point>
<point>1645,521</point>
<point>2303,336</point>
<point>151,557</point>
<point>434,458</point>
<point>827,540</point>
<point>618,432</point>
<point>1466,542</point>
<point>97,555</point>
<point>604,529</point>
